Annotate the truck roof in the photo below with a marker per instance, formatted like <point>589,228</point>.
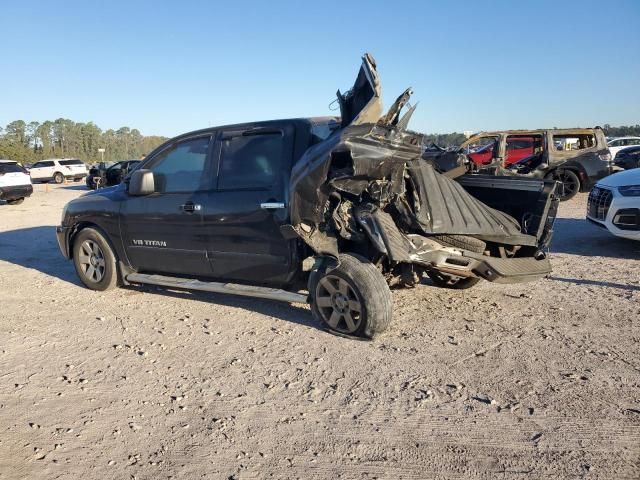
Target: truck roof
<point>310,121</point>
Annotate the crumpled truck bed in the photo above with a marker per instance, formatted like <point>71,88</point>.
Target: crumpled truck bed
<point>381,166</point>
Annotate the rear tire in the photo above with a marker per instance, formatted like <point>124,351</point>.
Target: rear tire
<point>443,280</point>
<point>15,201</point>
<point>58,178</point>
<point>94,260</point>
<point>352,299</point>
<point>570,183</point>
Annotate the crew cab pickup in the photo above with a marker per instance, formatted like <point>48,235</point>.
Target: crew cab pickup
<point>330,211</point>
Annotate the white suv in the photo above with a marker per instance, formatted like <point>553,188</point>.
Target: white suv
<point>57,169</point>
<point>15,183</point>
<point>614,203</point>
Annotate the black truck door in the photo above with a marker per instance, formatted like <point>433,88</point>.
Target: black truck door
<point>163,232</point>
<point>244,214</point>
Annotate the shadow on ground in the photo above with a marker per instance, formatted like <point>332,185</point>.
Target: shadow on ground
<point>597,283</point>
<point>37,248</point>
<point>580,237</point>
<point>284,311</point>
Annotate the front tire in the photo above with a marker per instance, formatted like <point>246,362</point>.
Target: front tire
<point>58,178</point>
<point>94,260</point>
<point>351,299</point>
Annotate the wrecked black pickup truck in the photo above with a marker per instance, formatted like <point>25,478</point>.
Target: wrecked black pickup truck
<point>330,211</point>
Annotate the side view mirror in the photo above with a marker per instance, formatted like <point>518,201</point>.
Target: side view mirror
<point>141,183</point>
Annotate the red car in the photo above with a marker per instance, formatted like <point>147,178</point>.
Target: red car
<point>517,149</point>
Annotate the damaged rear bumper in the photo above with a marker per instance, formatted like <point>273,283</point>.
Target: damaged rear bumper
<point>463,263</point>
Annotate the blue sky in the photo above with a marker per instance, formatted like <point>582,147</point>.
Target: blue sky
<point>170,67</point>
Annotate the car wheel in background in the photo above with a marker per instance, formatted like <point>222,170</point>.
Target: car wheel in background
<point>94,260</point>
<point>570,183</point>
<point>352,299</point>
<point>58,178</point>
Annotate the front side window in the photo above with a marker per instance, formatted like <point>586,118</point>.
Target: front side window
<point>483,150</point>
<point>251,161</point>
<point>117,166</point>
<point>43,164</point>
<point>181,167</point>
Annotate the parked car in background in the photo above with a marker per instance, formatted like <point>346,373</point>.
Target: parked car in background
<point>57,170</point>
<point>628,157</point>
<point>111,175</point>
<point>517,148</point>
<point>577,158</point>
<point>95,171</point>
<point>614,203</point>
<point>619,143</point>
<point>15,183</point>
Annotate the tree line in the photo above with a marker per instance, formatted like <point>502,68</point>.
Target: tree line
<point>624,131</point>
<point>33,141</point>
<point>64,138</point>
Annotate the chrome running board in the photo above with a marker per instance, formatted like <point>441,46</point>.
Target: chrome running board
<point>216,287</point>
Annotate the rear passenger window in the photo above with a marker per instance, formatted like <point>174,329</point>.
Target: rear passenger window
<point>181,167</point>
<point>574,142</point>
<point>71,162</point>
<point>250,162</point>
<point>10,168</point>
<point>522,146</point>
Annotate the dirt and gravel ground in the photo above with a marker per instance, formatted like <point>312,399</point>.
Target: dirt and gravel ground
<point>532,381</point>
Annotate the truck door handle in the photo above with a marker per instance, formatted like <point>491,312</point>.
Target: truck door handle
<point>271,205</point>
<point>191,207</point>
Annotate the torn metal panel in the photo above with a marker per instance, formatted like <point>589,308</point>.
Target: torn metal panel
<point>372,162</point>
<point>368,184</point>
<point>363,103</point>
<point>443,206</point>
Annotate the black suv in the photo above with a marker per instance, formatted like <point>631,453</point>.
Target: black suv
<point>110,175</point>
<point>331,211</point>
